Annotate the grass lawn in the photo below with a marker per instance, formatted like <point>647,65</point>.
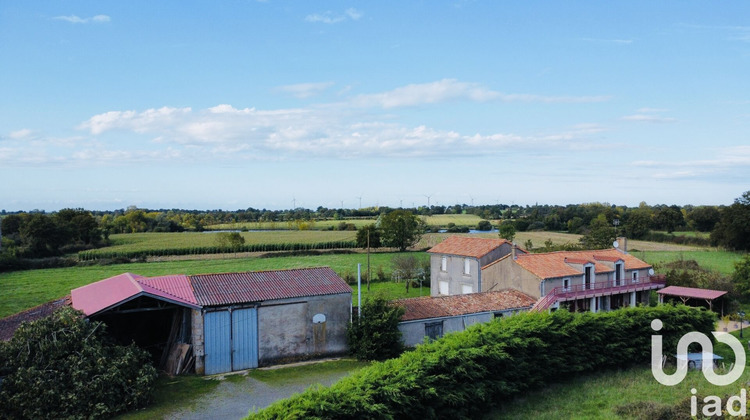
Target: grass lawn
<point>21,290</point>
<point>597,395</point>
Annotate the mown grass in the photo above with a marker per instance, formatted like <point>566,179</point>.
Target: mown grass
<point>20,290</point>
<point>597,395</point>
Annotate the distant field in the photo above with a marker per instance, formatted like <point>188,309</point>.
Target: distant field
<point>721,261</point>
<point>21,290</point>
<point>469,220</point>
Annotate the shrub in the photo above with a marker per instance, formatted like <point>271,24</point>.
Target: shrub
<point>375,335</point>
<point>484,225</point>
<point>464,374</point>
<point>65,367</point>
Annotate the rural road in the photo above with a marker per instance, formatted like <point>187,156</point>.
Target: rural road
<point>234,399</point>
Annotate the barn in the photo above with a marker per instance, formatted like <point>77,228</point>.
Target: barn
<point>216,323</point>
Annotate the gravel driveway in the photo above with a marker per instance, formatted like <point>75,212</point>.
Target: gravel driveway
<point>234,399</point>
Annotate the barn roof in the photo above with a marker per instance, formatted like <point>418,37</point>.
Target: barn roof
<point>427,307</point>
<point>691,292</point>
<point>467,247</point>
<point>208,289</point>
<point>257,286</point>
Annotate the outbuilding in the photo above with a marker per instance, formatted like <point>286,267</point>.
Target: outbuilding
<point>216,323</point>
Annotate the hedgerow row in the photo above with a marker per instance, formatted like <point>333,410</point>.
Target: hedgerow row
<point>197,250</point>
<point>465,374</point>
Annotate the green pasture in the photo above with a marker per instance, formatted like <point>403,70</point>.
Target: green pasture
<point>151,241</point>
<point>711,259</point>
<point>20,290</point>
<point>441,220</point>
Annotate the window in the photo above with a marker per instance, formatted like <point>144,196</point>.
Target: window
<point>466,289</point>
<point>467,266</point>
<point>443,288</point>
<point>618,274</point>
<point>433,330</point>
<point>635,276</point>
<point>444,263</point>
<point>566,285</point>
<point>587,278</point>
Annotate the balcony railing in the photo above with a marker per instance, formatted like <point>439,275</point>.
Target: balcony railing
<point>598,288</point>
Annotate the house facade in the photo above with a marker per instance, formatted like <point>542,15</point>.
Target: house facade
<point>432,317</point>
<point>592,280</point>
<point>230,321</point>
<point>456,264</point>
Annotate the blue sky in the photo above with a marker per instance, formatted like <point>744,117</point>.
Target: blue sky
<point>237,104</point>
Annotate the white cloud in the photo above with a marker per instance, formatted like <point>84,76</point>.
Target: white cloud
<point>649,118</point>
<point>451,89</point>
<point>732,160</point>
<point>330,17</point>
<point>76,19</point>
<point>20,134</point>
<point>305,90</point>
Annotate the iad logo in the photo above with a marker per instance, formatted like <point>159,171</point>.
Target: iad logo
<point>707,357</point>
<point>712,405</point>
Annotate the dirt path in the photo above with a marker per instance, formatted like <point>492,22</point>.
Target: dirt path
<point>235,398</point>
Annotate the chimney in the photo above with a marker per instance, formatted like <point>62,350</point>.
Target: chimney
<point>513,250</point>
<point>622,244</point>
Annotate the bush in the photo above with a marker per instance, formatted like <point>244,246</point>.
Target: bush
<point>65,367</point>
<point>484,225</point>
<point>375,335</point>
<point>465,374</point>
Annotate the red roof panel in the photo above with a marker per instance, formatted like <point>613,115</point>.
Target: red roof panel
<point>691,292</point>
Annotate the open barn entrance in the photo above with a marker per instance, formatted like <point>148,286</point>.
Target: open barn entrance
<point>161,328</point>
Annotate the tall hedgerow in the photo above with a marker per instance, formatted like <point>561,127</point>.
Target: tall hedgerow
<point>465,374</point>
<point>65,367</point>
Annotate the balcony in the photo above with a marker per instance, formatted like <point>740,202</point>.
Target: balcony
<point>596,289</point>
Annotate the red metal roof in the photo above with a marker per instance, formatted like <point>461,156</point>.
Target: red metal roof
<point>230,288</point>
<point>443,306</point>
<point>173,287</point>
<point>691,292</point>
<point>467,247</point>
<point>103,294</point>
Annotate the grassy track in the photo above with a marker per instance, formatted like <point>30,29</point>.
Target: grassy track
<point>21,290</point>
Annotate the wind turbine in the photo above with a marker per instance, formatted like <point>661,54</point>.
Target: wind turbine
<point>360,201</point>
<point>428,200</point>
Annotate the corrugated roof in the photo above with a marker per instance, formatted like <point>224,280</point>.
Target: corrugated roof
<point>692,292</point>
<point>103,294</point>
<point>231,288</point>
<point>173,287</point>
<point>467,247</point>
<point>443,306</point>
<point>554,264</point>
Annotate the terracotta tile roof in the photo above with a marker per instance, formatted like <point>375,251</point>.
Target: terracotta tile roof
<point>691,292</point>
<point>230,288</point>
<point>444,306</point>
<point>554,264</point>
<point>467,247</point>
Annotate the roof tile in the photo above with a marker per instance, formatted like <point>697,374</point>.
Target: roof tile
<point>467,247</point>
<point>443,306</point>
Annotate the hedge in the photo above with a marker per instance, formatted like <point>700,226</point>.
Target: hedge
<point>465,374</point>
<point>199,250</point>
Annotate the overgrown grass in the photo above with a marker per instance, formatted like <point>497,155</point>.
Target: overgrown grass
<point>21,290</point>
<point>598,394</point>
<point>720,261</point>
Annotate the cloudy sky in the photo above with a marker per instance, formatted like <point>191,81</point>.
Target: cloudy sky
<point>266,104</point>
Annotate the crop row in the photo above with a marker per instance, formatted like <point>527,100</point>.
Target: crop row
<point>199,250</point>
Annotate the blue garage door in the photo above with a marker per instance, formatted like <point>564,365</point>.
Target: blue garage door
<point>218,340</point>
<point>244,339</point>
<point>231,340</point>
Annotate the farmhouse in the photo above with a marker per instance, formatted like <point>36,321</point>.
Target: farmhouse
<point>228,322</point>
<point>592,280</point>
<point>435,316</point>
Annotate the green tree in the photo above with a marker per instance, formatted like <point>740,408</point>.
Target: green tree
<point>733,230</point>
<point>638,222</point>
<point>401,229</point>
<point>668,218</point>
<point>374,236</point>
<point>599,235</point>
<point>507,231</point>
<point>741,277</point>
<point>374,335</point>
<point>704,218</point>
<point>41,236</point>
<point>64,366</point>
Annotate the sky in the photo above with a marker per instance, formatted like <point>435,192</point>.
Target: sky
<point>273,104</point>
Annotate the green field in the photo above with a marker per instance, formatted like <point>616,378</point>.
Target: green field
<point>442,220</point>
<point>720,261</point>
<point>20,290</point>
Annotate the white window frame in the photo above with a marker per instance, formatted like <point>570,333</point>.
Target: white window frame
<point>466,289</point>
<point>467,267</point>
<point>619,271</point>
<point>444,264</point>
<point>566,284</point>
<point>635,276</point>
